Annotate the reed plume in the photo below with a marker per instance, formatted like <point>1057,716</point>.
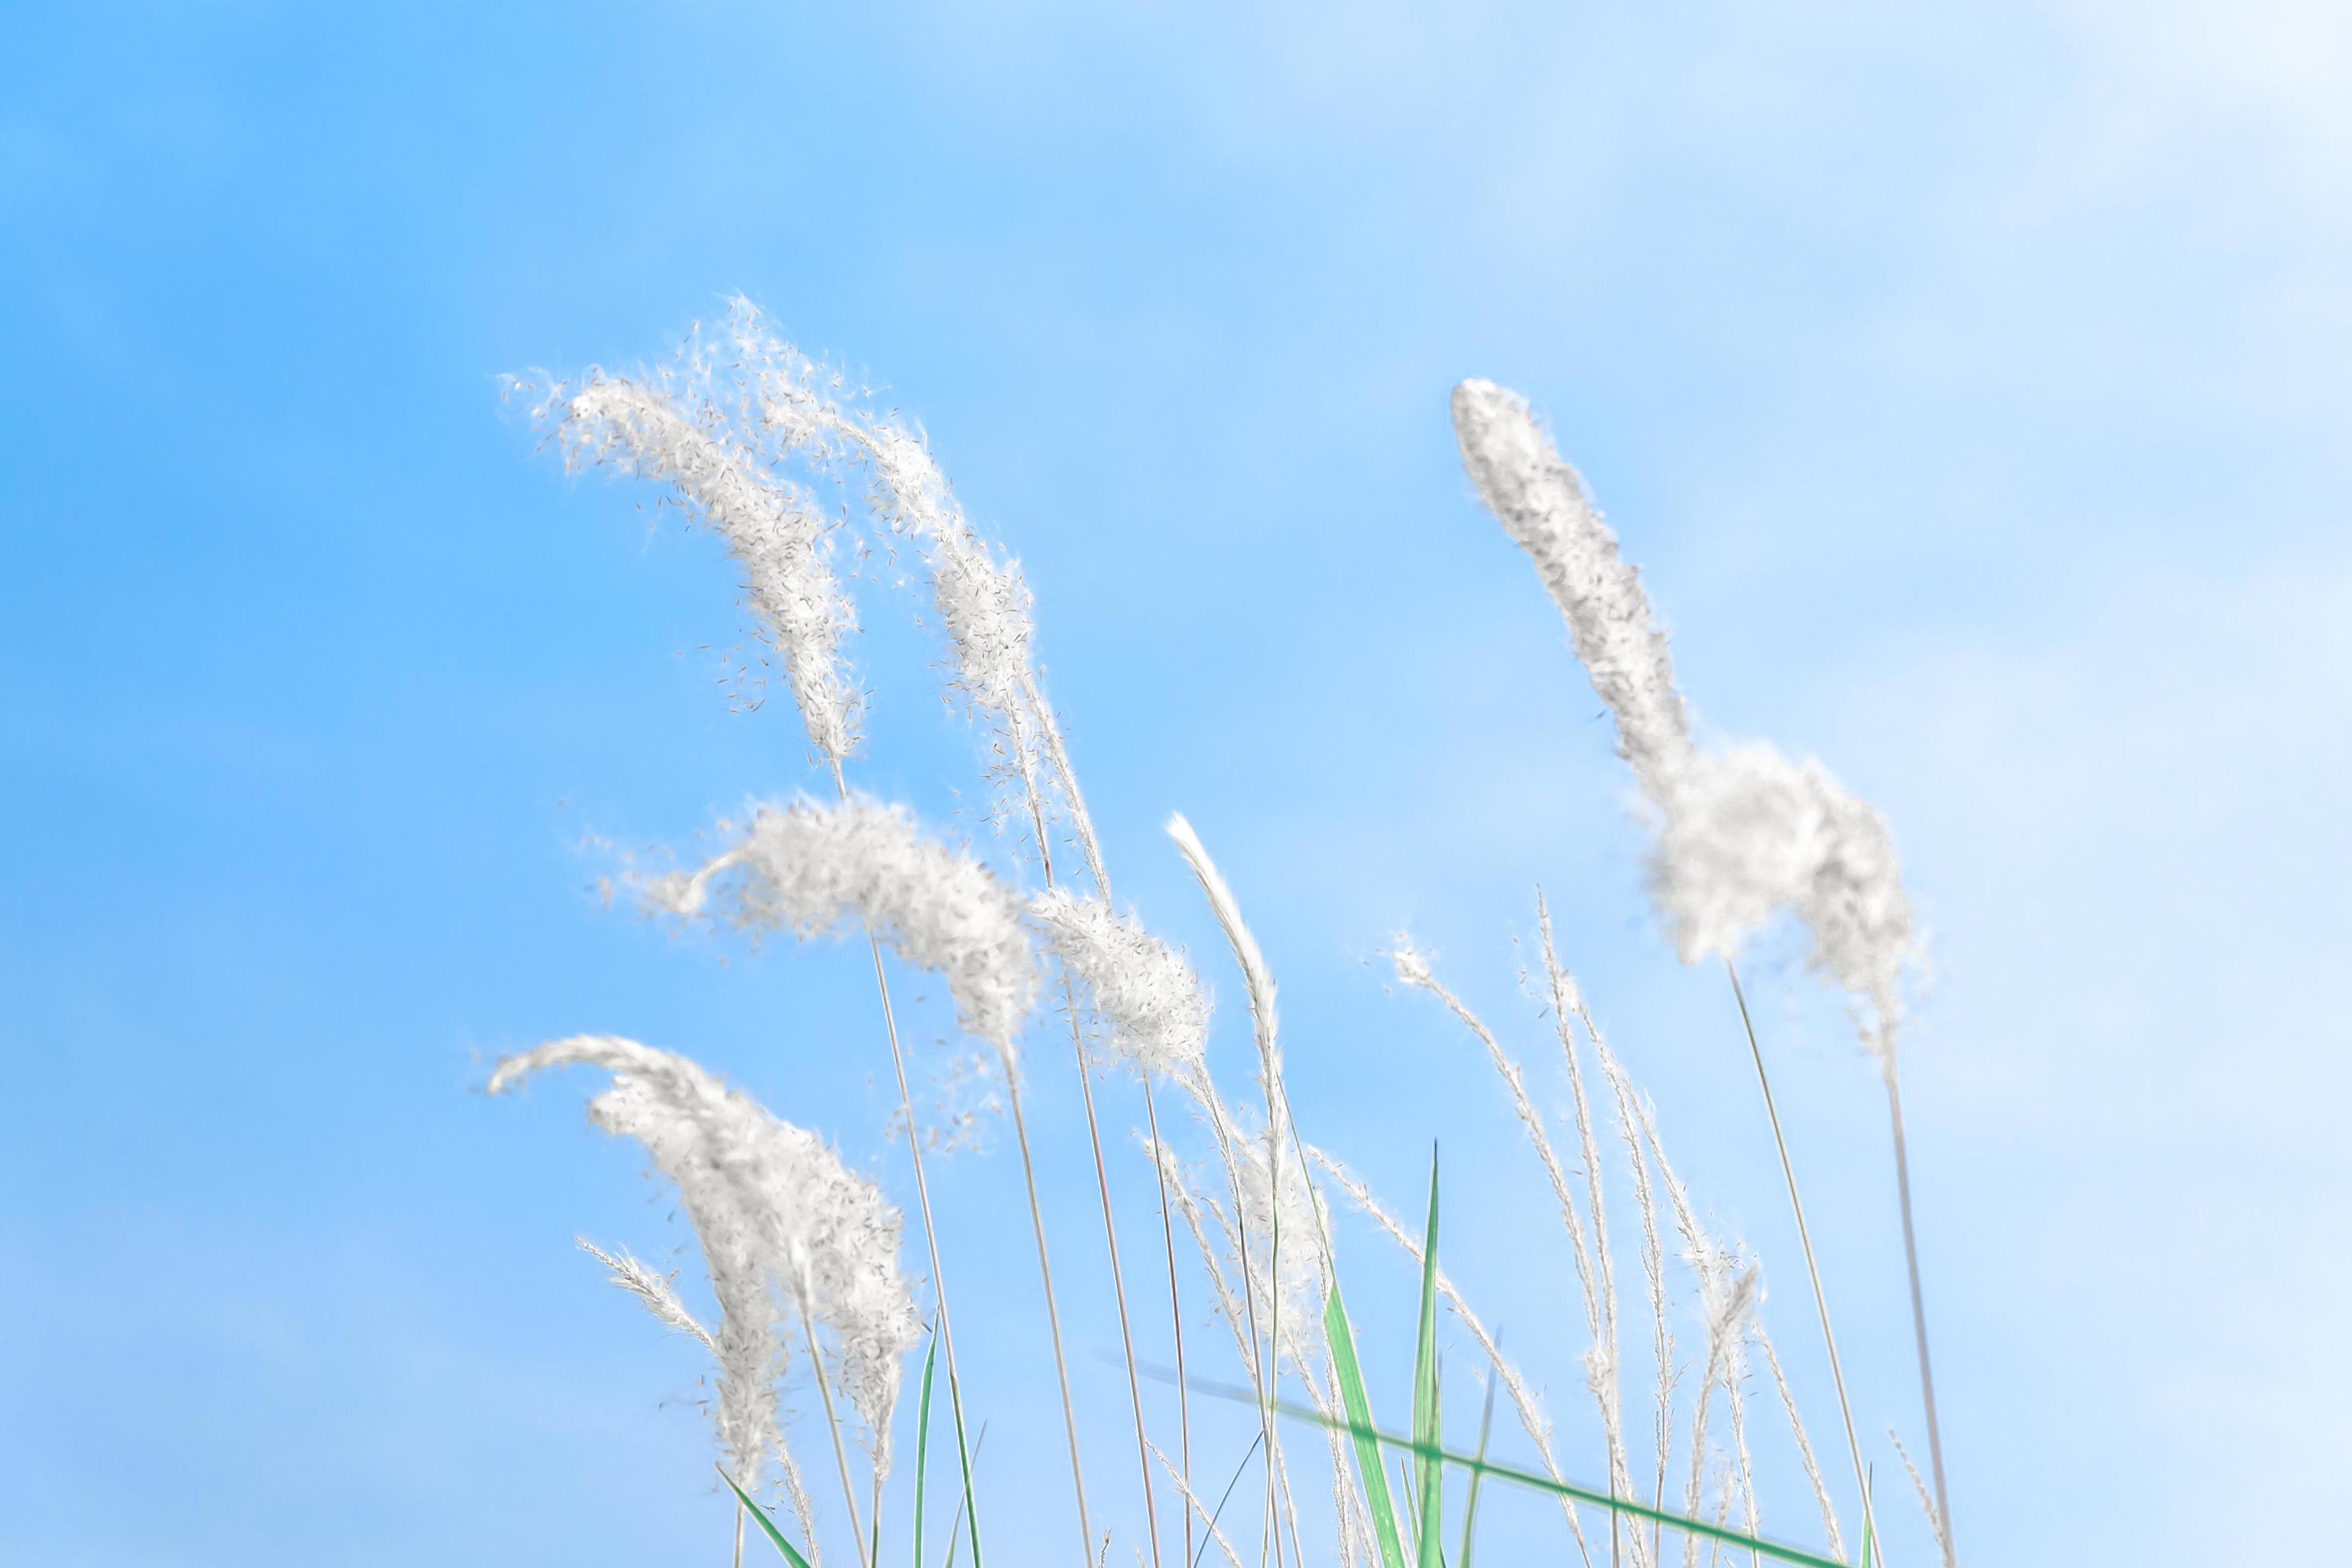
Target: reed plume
<point>783,1222</point>
<point>1741,832</point>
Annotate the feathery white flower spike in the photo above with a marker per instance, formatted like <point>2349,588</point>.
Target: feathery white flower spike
<point>652,1290</point>
<point>694,1138</point>
<point>677,436</point>
<point>1741,832</point>
<point>776,1211</point>
<point>1156,1013</point>
<point>984,601</point>
<point>814,868</point>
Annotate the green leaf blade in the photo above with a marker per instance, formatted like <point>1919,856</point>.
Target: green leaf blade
<point>767,1526</point>
<point>1430,1471</point>
<point>923,1442</point>
<point>1359,1405</point>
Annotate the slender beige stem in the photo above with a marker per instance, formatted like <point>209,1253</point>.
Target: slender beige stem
<point>1053,1317</point>
<point>923,1199</point>
<point>1175,1319</point>
<point>1805,1242</point>
<point>1118,1281</point>
<point>1919,1315</point>
<point>739,1532</point>
<point>1093,1135</point>
<point>833,1426</point>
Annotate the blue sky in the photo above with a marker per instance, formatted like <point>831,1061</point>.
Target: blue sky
<point>1969,382</point>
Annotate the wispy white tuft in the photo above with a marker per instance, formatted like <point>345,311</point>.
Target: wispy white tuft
<point>811,868</point>
<point>1255,975</point>
<point>1153,1007</point>
<point>777,1213</point>
<point>1542,503</point>
<point>669,429</point>
<point>1742,833</point>
<point>1748,832</point>
<point>652,1290</point>
<point>697,1137</point>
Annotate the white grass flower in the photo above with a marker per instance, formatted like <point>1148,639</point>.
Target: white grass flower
<point>696,1139</point>
<point>983,600</point>
<point>814,868</point>
<point>777,1212</point>
<point>1153,1006</point>
<point>1542,503</point>
<point>1742,833</point>
<point>677,435</point>
<point>653,1291</point>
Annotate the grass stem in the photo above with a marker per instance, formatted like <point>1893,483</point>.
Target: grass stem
<point>1805,1242</point>
<point>1943,1519</point>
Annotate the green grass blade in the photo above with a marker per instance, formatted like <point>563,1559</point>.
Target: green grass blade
<point>1257,1439</point>
<point>955,1528</point>
<point>1470,1508</point>
<point>1366,1435</point>
<point>767,1525</point>
<point>1343,1341</point>
<point>923,1442</point>
<point>1869,1545</point>
<point>1429,1481</point>
<point>971,1503</point>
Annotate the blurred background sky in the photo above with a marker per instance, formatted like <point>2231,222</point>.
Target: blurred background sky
<point>1970,383</point>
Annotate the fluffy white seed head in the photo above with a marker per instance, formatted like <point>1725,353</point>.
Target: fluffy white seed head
<point>778,1213</point>
<point>1155,1013</point>
<point>1750,832</point>
<point>813,868</point>
<point>1742,833</point>
<point>983,600</point>
<point>671,431</point>
<point>1274,1187</point>
<point>700,1140</point>
<point>1542,503</point>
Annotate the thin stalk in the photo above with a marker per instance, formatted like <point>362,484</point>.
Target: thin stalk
<point>923,1198</point>
<point>1118,1281</point>
<point>1249,1312</point>
<point>833,1426</point>
<point>1273,1307</point>
<point>1061,761</point>
<point>739,1532</point>
<point>1102,1185</point>
<point>1053,1317</point>
<point>1919,1317</point>
<point>1805,1242</point>
<point>1176,1321</point>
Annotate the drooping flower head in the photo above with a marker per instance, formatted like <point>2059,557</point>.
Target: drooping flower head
<point>1741,832</point>
<point>782,1222</point>
<point>1153,1009</point>
<point>816,869</point>
<point>674,426</point>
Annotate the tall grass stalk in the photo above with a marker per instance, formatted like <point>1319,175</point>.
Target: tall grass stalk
<point>1942,1515</point>
<point>1602,1369</point>
<point>1742,831</point>
<point>1084,826</point>
<point>923,1201</point>
<point>1805,1244</point>
<point>833,1426</point>
<point>1175,1319</point>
